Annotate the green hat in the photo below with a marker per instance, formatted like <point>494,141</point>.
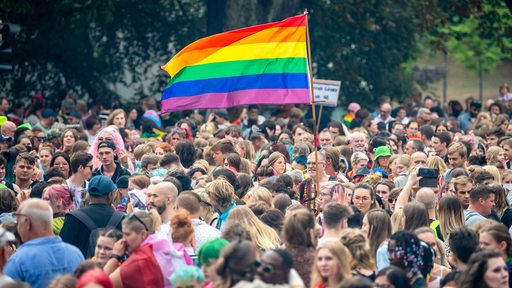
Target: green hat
<point>381,151</point>
<point>210,250</point>
<point>26,125</point>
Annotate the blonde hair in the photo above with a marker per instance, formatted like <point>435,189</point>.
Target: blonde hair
<point>272,159</point>
<point>494,172</point>
<point>451,215</point>
<point>151,219</point>
<point>249,153</point>
<point>397,223</point>
<point>343,259</point>
<point>492,154</point>
<point>262,235</point>
<point>221,192</point>
<point>437,162</point>
<point>260,193</point>
<point>357,243</point>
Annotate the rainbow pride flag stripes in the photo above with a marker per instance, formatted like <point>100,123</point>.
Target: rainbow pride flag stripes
<point>263,64</point>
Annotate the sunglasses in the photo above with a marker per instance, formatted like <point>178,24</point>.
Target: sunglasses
<point>391,200</point>
<point>133,216</point>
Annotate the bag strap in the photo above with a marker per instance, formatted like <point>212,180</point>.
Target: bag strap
<point>84,218</point>
<point>115,219</point>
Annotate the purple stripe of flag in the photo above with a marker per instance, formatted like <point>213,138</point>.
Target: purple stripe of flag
<point>235,98</point>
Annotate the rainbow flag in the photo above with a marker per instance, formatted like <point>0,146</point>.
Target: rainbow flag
<point>263,64</point>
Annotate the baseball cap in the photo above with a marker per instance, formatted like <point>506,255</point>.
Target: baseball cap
<point>107,144</point>
<point>5,138</point>
<point>100,186</point>
<point>362,171</point>
<point>47,113</point>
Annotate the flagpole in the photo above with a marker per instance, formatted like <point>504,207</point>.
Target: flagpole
<point>315,142</point>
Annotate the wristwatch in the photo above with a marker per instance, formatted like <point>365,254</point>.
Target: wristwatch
<point>117,257</point>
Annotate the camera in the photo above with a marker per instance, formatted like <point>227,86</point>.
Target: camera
<point>429,177</point>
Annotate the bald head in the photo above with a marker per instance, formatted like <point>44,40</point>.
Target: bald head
<point>166,189</point>
<point>427,197</point>
<point>35,218</point>
<point>8,129</point>
<point>419,158</point>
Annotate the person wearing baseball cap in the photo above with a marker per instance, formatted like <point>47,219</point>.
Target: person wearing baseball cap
<point>110,167</point>
<point>79,223</point>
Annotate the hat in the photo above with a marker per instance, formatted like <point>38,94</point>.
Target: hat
<point>301,159</point>
<point>4,138</point>
<point>362,171</point>
<point>222,113</point>
<point>38,98</point>
<point>210,250</point>
<point>100,186</point>
<point>75,114</point>
<point>52,134</point>
<point>354,107</point>
<point>3,119</point>
<point>47,113</point>
<point>381,151</point>
<point>381,171</point>
<point>476,104</point>
<point>26,125</point>
<point>107,144</point>
<point>122,182</point>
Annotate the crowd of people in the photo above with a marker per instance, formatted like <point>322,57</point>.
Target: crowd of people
<point>410,195</point>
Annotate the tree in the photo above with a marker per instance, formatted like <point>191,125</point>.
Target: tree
<point>93,47</point>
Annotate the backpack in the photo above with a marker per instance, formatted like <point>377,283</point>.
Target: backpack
<point>114,220</point>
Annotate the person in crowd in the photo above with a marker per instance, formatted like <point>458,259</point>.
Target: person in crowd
<point>277,161</point>
<point>335,217</point>
<point>183,233</point>
<point>236,263</point>
<point>392,277</point>
<point>481,202</point>
<point>117,118</point>
<point>207,256</point>
<point>42,255</point>
<point>61,160</point>
<point>148,253</point>
<point>377,226</point>
<point>60,199</point>
<point>79,223</point>
<point>107,237</point>
<point>8,205</point>
<point>263,236</point>
<point>221,195</point>
<point>162,197</point>
<point>298,236</point>
<point>405,251</point>
<point>68,138</point>
<point>485,268</point>
<point>106,153</point>
<point>331,266</point>
<point>23,170</point>
<point>381,161</point>
<point>463,242</point>
<point>364,197</point>
<point>363,264</point>
<point>191,202</point>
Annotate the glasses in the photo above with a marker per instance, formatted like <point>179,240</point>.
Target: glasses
<point>40,139</point>
<point>266,268</point>
<point>391,200</point>
<point>16,215</point>
<point>358,198</point>
<point>133,216</point>
<point>178,131</point>
<point>313,163</point>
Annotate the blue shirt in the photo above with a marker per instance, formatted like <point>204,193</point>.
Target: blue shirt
<point>223,217</point>
<point>38,261</point>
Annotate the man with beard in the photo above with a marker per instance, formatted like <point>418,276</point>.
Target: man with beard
<point>162,197</point>
<point>308,191</point>
<point>466,119</point>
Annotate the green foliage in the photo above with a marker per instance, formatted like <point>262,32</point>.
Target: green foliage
<point>363,44</point>
<point>480,41</point>
<point>93,47</point>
